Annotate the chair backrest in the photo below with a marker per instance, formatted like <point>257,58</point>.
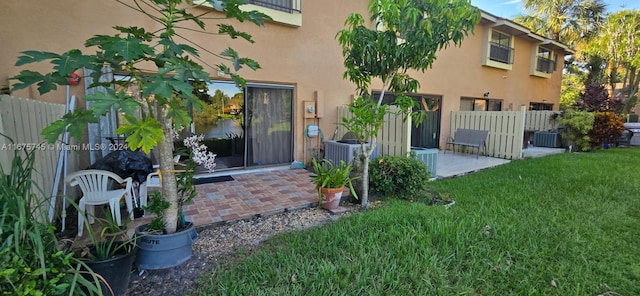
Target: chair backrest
<point>477,137</point>
<point>94,183</point>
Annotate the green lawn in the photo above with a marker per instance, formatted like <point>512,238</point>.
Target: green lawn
<point>566,224</point>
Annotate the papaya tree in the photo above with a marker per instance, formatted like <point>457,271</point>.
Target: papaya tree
<point>402,35</point>
<point>167,94</point>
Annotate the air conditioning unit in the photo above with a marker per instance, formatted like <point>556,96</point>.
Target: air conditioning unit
<point>429,157</point>
<point>547,139</point>
<point>347,150</point>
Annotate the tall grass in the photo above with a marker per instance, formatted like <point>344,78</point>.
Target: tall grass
<point>559,225</point>
<point>31,261</point>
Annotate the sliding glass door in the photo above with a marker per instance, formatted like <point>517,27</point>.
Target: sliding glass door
<point>246,128</point>
<point>221,121</point>
<point>269,125</point>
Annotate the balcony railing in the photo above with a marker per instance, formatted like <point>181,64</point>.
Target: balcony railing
<point>545,65</point>
<point>289,6</point>
<point>500,53</point>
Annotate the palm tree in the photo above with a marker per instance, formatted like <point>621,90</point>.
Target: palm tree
<point>567,21</point>
<point>619,44</point>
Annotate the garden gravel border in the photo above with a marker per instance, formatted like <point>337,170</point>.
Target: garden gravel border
<point>217,242</point>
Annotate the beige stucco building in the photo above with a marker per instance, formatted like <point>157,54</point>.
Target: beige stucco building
<point>501,67</point>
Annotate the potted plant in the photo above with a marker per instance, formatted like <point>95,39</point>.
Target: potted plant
<point>330,181</point>
<point>159,249</point>
<point>109,256</point>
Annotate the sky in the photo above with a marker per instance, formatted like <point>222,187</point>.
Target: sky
<point>228,89</point>
<point>510,8</point>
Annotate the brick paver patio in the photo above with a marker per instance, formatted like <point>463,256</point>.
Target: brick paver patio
<point>248,195</point>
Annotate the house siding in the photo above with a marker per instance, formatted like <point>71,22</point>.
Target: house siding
<point>307,57</point>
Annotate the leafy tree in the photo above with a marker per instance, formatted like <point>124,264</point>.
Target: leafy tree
<point>406,36</point>
<point>167,95</point>
<point>618,46</point>
<point>570,90</point>
<point>595,98</point>
<point>568,21</point>
<point>596,73</point>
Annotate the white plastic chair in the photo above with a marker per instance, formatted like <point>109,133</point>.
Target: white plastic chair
<point>153,182</point>
<point>96,187</point>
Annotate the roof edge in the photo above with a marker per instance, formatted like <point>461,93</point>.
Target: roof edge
<point>500,21</point>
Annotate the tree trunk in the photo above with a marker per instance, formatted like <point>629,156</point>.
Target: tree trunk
<point>634,81</point>
<point>367,152</point>
<point>364,201</point>
<point>167,173</point>
<point>365,183</point>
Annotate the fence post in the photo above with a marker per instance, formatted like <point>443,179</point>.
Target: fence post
<point>4,153</point>
<point>519,130</point>
<point>406,135</point>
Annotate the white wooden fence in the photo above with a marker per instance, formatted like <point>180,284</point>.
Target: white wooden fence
<point>22,120</point>
<point>541,120</point>
<point>506,129</point>
<point>394,137</point>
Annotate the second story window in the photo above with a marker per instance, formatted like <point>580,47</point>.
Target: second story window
<point>289,6</point>
<point>501,49</point>
<point>545,60</point>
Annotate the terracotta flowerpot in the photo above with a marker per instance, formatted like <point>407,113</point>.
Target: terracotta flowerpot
<point>331,197</point>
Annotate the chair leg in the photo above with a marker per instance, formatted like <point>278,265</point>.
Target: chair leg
<point>135,188</point>
<point>90,211</point>
<point>128,197</point>
<point>143,195</point>
<point>81,213</point>
<point>114,205</point>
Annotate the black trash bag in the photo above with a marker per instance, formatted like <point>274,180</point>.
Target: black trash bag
<point>126,163</point>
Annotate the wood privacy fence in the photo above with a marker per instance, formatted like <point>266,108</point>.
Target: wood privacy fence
<point>394,137</point>
<point>506,130</point>
<point>22,120</point>
<point>541,120</point>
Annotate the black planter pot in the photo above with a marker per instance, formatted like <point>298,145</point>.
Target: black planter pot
<point>160,251</point>
<point>116,271</point>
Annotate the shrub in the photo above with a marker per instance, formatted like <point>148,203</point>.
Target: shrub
<point>400,176</point>
<point>577,125</point>
<point>31,260</point>
<point>607,128</point>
